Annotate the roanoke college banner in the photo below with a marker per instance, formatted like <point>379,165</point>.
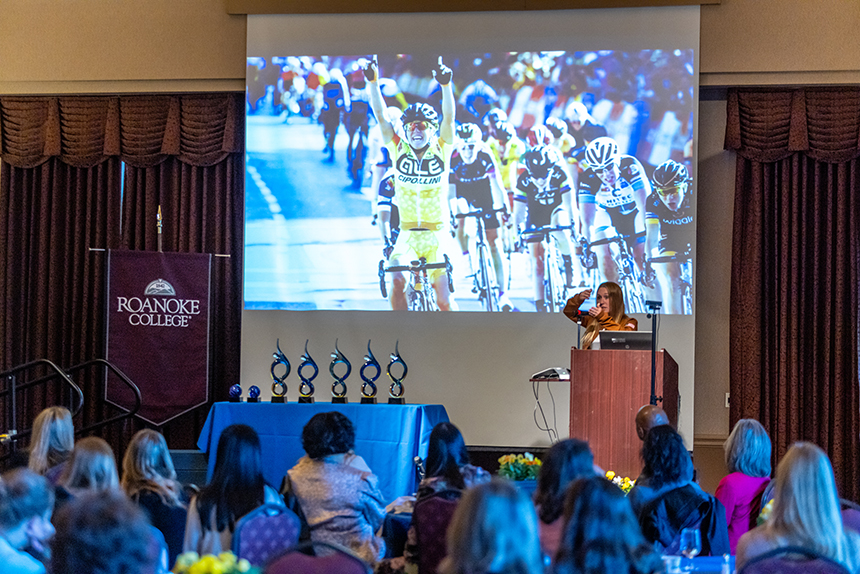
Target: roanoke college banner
<point>158,331</point>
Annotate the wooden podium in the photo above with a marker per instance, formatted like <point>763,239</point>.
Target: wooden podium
<point>607,388</point>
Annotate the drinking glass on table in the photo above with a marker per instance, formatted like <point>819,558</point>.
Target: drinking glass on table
<point>691,546</point>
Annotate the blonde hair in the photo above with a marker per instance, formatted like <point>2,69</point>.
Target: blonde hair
<point>91,468</point>
<point>806,508</point>
<point>494,529</point>
<point>53,439</point>
<point>147,466</point>
<point>748,449</point>
<point>616,312</point>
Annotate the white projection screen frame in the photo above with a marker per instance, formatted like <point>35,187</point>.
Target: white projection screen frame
<point>476,364</point>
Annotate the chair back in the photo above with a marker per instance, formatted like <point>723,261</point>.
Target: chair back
<point>792,560</point>
<point>431,518</point>
<point>300,559</point>
<point>265,532</point>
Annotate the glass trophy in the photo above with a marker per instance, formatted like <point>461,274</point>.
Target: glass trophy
<point>306,388</point>
<point>368,387</point>
<point>279,387</point>
<point>253,394</point>
<point>235,394</point>
<point>395,389</point>
<point>338,387</point>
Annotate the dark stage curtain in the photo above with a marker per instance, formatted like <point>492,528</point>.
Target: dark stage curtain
<point>61,194</point>
<point>794,289</point>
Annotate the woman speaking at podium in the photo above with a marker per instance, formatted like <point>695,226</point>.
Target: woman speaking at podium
<point>607,313</point>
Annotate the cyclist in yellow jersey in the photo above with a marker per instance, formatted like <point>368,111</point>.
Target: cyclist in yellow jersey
<point>420,162</point>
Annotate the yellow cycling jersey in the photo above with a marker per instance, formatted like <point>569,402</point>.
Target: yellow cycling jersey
<point>421,186</point>
<point>507,156</point>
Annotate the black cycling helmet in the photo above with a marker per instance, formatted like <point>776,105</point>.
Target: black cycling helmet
<point>557,126</point>
<point>505,132</point>
<point>670,174</point>
<point>469,133</point>
<point>494,117</point>
<point>420,113</point>
<point>601,153</point>
<point>538,161</point>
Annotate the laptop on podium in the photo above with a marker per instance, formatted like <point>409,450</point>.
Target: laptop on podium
<point>626,340</point>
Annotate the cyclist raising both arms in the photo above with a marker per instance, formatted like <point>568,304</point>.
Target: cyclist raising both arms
<point>612,193</point>
<point>475,178</point>
<point>543,194</point>
<point>669,229</point>
<point>420,164</point>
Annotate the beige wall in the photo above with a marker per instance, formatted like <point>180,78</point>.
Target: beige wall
<point>79,46</point>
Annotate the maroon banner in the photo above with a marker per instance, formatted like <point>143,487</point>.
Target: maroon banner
<point>158,331</point>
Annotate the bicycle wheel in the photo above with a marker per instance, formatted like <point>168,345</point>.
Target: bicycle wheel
<point>486,288</point>
<point>415,299</point>
<point>554,285</point>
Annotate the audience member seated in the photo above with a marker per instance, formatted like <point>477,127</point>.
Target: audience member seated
<point>237,487</point>
<point>149,479</point>
<point>103,533</point>
<point>667,466</point>
<point>668,501</point>
<point>648,417</point>
<point>494,530</point>
<point>336,492</point>
<point>601,534</point>
<point>565,462</point>
<point>26,503</point>
<point>805,512</point>
<point>51,443</point>
<point>748,461</point>
<point>447,468</point>
<point>92,468</point>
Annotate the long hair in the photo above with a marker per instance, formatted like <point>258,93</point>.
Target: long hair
<point>616,312</point>
<point>237,485</point>
<point>494,529</point>
<point>565,462</point>
<point>665,456</point>
<point>806,507</point>
<point>92,467</point>
<point>600,532</point>
<point>147,466</point>
<point>53,439</point>
<point>447,454</point>
<point>748,449</point>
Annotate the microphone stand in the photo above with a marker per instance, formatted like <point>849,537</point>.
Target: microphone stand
<point>653,308</point>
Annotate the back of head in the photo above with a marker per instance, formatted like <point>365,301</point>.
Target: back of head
<point>494,529</point>
<point>327,434</point>
<point>565,462</point>
<point>52,440</point>
<point>103,534</point>
<point>600,533</point>
<point>649,417</point>
<point>147,466</point>
<point>23,495</point>
<point>748,449</point>
<point>237,484</point>
<point>806,506</point>
<point>446,454</point>
<point>91,467</point>
<point>665,456</point>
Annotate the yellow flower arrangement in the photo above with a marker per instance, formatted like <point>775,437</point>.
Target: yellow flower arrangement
<point>224,563</point>
<point>621,482</point>
<point>519,466</point>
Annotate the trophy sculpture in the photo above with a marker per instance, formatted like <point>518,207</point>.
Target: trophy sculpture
<point>279,387</point>
<point>339,395</point>
<point>235,394</point>
<point>306,388</point>
<point>395,390</point>
<point>253,394</point>
<point>368,387</point>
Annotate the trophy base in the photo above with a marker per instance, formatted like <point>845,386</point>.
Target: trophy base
<point>339,400</point>
<point>252,400</point>
<point>307,400</point>
<point>368,400</point>
<point>279,400</point>
<point>236,400</point>
<point>396,401</point>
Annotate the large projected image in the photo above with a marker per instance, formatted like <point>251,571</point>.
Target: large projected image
<point>471,182</point>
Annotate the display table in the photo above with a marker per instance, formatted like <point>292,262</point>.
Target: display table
<point>388,437</point>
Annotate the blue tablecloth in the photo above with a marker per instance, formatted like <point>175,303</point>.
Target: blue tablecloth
<point>388,437</point>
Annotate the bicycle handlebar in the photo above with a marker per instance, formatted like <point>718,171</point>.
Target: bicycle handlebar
<point>479,213</point>
<point>681,257</point>
<point>545,230</point>
<point>616,238</point>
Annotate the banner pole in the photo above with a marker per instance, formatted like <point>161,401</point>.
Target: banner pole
<point>159,225</point>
